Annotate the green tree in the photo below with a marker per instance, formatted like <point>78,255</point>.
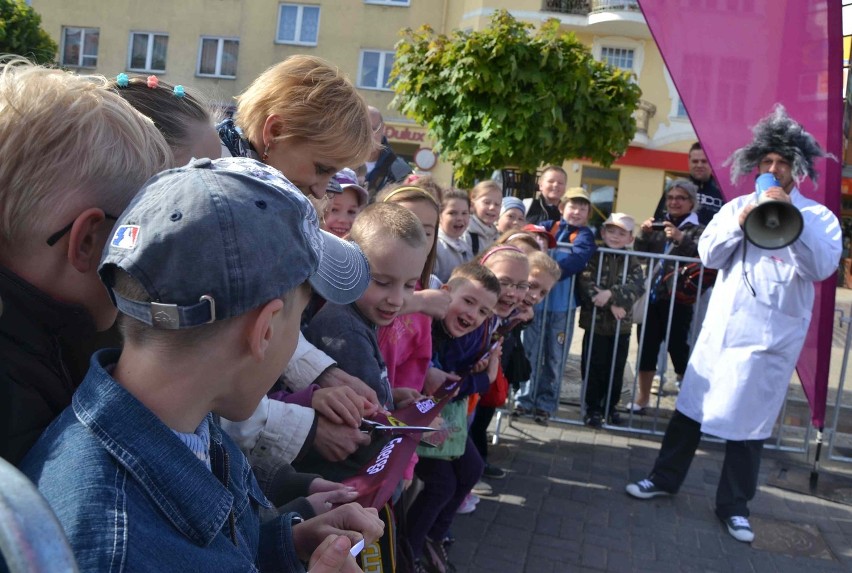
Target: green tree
<point>21,33</point>
<point>505,96</point>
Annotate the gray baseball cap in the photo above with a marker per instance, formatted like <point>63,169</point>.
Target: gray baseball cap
<point>217,238</point>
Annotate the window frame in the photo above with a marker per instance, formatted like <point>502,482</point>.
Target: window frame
<point>298,27</point>
<point>219,53</point>
<point>399,3</point>
<point>81,55</point>
<point>150,52</point>
<point>615,42</point>
<point>382,58</point>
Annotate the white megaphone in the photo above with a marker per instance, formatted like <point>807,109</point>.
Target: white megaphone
<point>772,224</point>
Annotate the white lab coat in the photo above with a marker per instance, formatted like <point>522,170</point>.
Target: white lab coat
<point>744,358</point>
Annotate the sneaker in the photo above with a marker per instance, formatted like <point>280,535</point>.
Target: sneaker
<point>644,489</point>
<point>434,557</point>
<point>635,408</point>
<point>615,418</point>
<point>655,385</point>
<point>468,505</point>
<point>541,417</point>
<point>493,472</point>
<point>594,420</point>
<point>482,488</point>
<point>739,528</point>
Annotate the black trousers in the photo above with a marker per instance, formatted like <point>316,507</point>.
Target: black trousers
<point>738,482</point>
<point>655,333</point>
<point>482,416</point>
<point>604,353</point>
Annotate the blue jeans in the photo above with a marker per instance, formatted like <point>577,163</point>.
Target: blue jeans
<point>547,358</point>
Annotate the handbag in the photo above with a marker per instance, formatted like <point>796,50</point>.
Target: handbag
<point>448,442</point>
<point>688,280</point>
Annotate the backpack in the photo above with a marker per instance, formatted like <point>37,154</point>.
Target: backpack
<point>688,281</point>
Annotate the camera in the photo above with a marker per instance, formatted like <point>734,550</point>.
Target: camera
<point>658,226</point>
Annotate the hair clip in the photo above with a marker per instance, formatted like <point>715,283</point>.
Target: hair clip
<point>121,80</point>
<point>179,91</point>
<point>153,82</point>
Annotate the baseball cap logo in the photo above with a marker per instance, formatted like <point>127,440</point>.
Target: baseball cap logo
<point>125,237</point>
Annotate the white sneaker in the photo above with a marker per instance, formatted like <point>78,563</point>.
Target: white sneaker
<point>739,528</point>
<point>482,488</point>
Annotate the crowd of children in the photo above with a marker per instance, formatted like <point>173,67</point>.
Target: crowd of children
<point>268,304</point>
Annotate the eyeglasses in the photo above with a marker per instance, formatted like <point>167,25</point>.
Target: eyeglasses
<point>677,198</point>
<point>508,285</point>
<point>54,238</point>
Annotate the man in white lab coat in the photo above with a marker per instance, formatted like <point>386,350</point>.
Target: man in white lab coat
<point>755,327</point>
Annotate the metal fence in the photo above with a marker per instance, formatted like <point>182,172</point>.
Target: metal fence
<point>792,430</point>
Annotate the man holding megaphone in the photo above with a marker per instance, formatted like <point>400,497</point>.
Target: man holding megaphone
<point>770,247</point>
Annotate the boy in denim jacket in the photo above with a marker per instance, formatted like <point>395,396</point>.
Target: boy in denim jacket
<point>210,267</point>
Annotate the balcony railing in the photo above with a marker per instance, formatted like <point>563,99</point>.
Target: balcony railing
<point>584,7</point>
<point>579,7</point>
<point>614,5</point>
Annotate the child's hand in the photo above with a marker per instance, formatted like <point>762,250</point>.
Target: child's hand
<point>618,312</point>
<point>403,397</point>
<point>602,297</point>
<point>333,556</point>
<point>480,366</point>
<point>334,376</point>
<point>494,362</point>
<point>431,302</point>
<point>351,520</point>
<point>342,405</point>
<point>435,378</point>
<point>326,494</point>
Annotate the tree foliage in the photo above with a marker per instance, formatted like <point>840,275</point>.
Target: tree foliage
<point>505,96</point>
<point>21,33</point>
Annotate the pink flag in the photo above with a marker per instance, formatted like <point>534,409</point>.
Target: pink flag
<point>732,61</point>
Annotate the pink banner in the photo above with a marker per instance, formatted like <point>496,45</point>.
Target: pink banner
<point>378,479</point>
<point>732,61</point>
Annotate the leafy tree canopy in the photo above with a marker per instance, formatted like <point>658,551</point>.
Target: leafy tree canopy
<point>21,33</point>
<point>505,96</point>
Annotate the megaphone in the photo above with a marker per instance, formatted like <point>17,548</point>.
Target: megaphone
<point>772,224</point>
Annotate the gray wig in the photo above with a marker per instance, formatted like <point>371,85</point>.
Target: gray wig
<point>781,134</point>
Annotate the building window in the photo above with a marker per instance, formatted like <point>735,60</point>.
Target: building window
<point>298,24</point>
<point>621,58</point>
<point>374,69</point>
<point>389,2</point>
<point>148,52</point>
<point>217,57</point>
<point>602,185</point>
<point>80,47</point>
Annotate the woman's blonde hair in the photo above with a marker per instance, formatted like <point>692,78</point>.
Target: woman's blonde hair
<point>316,104</point>
<point>66,139</point>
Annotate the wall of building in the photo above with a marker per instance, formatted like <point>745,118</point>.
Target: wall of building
<point>345,28</point>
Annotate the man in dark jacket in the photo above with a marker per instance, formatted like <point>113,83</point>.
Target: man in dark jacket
<point>63,180</point>
<point>710,198</point>
<point>383,167</point>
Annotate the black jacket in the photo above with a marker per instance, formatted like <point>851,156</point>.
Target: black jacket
<point>540,211</point>
<point>45,346</point>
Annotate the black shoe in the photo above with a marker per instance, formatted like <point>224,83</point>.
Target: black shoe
<point>615,418</point>
<point>541,417</point>
<point>493,472</point>
<point>594,420</point>
<point>520,411</point>
<point>644,489</point>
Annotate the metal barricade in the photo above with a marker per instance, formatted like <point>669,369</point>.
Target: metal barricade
<point>840,439</point>
<point>31,538</point>
<point>787,436</point>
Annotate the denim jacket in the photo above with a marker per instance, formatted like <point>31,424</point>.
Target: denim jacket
<point>132,497</point>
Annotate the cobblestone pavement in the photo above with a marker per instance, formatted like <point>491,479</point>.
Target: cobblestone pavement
<point>562,506</point>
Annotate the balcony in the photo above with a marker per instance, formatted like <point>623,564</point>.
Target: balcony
<point>576,7</point>
<point>603,17</point>
<point>597,6</point>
